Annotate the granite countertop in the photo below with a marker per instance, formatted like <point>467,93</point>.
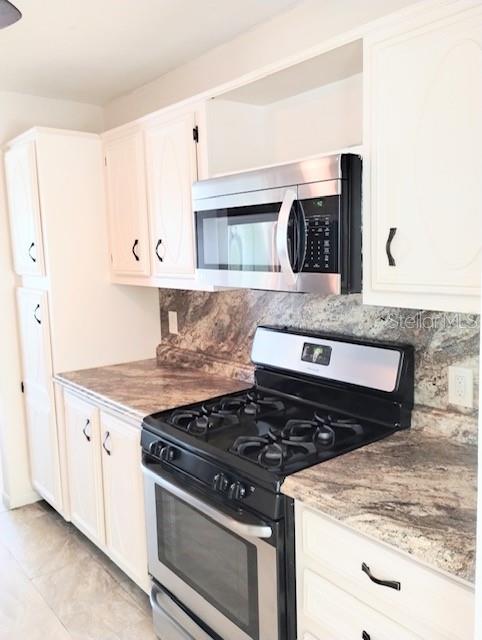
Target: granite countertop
<point>412,490</point>
<point>140,388</point>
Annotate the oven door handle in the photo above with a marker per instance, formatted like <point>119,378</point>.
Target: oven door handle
<point>174,614</point>
<point>243,529</point>
<point>282,246</point>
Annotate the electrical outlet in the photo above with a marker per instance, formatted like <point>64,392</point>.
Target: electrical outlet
<point>173,328</point>
<point>461,386</point>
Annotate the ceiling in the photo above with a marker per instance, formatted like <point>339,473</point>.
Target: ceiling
<point>95,50</point>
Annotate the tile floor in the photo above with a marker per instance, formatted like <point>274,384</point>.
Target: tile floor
<point>56,585</point>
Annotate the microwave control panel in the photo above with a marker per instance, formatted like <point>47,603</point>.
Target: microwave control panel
<point>322,217</point>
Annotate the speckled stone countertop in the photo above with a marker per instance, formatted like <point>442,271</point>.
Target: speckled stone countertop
<point>411,490</point>
<point>140,388</point>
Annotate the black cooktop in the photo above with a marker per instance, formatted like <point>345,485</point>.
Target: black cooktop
<point>278,434</point>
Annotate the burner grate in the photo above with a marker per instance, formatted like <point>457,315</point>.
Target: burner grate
<point>296,440</point>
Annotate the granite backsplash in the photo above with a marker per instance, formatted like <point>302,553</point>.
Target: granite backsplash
<point>216,331</point>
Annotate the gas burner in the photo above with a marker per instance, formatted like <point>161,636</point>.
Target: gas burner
<point>297,431</point>
<point>182,418</point>
<point>321,430</point>
<point>268,451</point>
<point>257,402</point>
<point>225,406</point>
<point>308,431</point>
<point>202,422</point>
<point>327,420</point>
<point>244,445</point>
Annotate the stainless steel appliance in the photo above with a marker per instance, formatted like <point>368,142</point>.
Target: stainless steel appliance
<point>220,532</point>
<point>294,227</point>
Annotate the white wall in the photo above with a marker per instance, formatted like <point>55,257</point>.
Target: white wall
<point>17,113</point>
<point>289,34</point>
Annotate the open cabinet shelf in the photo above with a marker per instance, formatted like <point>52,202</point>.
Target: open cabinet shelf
<point>309,109</point>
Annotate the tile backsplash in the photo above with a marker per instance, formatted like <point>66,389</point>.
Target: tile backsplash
<point>218,328</point>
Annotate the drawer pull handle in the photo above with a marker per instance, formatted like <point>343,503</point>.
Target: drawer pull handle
<point>365,636</point>
<point>32,258</point>
<point>159,257</point>
<point>134,247</point>
<point>388,246</point>
<point>104,444</point>
<point>36,316</point>
<point>84,430</point>
<point>392,584</point>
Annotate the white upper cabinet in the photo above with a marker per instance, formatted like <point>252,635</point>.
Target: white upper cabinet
<point>423,193</point>
<point>127,204</point>
<point>24,209</point>
<point>171,171</point>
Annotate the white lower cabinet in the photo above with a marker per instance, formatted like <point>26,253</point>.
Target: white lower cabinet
<point>105,484</point>
<point>42,445</point>
<point>339,595</point>
<point>33,312</point>
<point>124,497</point>
<point>82,436</point>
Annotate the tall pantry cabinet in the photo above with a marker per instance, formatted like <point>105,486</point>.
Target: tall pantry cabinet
<point>70,315</point>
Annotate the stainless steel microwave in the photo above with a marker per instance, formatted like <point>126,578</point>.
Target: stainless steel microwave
<point>293,227</point>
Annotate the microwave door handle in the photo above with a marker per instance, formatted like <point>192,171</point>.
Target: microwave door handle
<point>302,232</point>
<point>243,529</point>
<point>282,232</point>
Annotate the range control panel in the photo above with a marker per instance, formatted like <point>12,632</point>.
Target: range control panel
<point>322,217</point>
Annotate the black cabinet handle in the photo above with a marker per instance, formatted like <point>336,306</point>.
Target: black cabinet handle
<point>35,314</point>
<point>365,635</point>
<point>107,436</point>
<point>160,258</point>
<point>136,242</point>
<point>392,584</point>
<point>388,246</point>
<point>30,252</point>
<point>84,430</point>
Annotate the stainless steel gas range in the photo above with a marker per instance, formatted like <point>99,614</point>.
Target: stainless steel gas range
<point>220,532</point>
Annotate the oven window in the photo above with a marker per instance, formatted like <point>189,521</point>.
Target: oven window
<point>217,563</point>
<point>239,239</point>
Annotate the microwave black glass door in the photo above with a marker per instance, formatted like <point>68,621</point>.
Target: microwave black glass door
<point>238,238</point>
<point>214,561</point>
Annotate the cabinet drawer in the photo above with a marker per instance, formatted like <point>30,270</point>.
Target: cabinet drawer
<point>333,614</point>
<point>337,554</point>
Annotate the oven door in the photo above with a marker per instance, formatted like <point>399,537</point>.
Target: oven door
<point>219,563</point>
<point>254,239</point>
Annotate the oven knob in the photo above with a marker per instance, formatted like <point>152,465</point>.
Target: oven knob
<point>168,454</point>
<point>237,491</point>
<point>155,447</point>
<point>220,483</point>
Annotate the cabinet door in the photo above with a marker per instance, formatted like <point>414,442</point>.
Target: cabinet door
<point>123,497</point>
<point>127,205</point>
<point>424,129</point>
<point>24,209</point>
<point>171,171</point>
<point>39,396</point>
<point>82,434</point>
